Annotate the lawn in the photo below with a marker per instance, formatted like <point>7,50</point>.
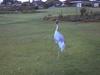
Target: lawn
<point>27,46</point>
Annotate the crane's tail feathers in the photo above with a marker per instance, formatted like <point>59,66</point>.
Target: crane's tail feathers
<point>61,46</point>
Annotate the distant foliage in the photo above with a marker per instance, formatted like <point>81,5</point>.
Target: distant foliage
<point>83,11</point>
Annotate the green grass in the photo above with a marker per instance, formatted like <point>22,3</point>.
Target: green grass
<point>27,46</point>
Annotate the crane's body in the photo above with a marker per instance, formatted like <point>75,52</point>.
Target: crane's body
<point>59,39</point>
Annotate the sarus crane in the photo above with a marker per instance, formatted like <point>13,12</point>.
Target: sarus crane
<point>59,38</point>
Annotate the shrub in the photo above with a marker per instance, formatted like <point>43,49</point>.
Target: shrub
<point>83,11</point>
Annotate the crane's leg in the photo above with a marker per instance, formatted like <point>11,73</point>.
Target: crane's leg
<point>58,55</point>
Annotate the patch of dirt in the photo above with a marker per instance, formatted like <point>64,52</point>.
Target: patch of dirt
<point>73,18</point>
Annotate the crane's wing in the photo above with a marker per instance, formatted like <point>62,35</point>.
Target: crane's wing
<point>58,37</point>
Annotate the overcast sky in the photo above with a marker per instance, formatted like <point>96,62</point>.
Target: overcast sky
<point>28,0</point>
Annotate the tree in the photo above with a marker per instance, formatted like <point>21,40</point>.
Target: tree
<point>8,1</point>
<point>50,2</point>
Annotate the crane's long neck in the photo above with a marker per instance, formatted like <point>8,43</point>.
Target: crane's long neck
<point>56,28</point>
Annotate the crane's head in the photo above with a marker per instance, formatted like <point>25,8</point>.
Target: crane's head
<point>57,24</point>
